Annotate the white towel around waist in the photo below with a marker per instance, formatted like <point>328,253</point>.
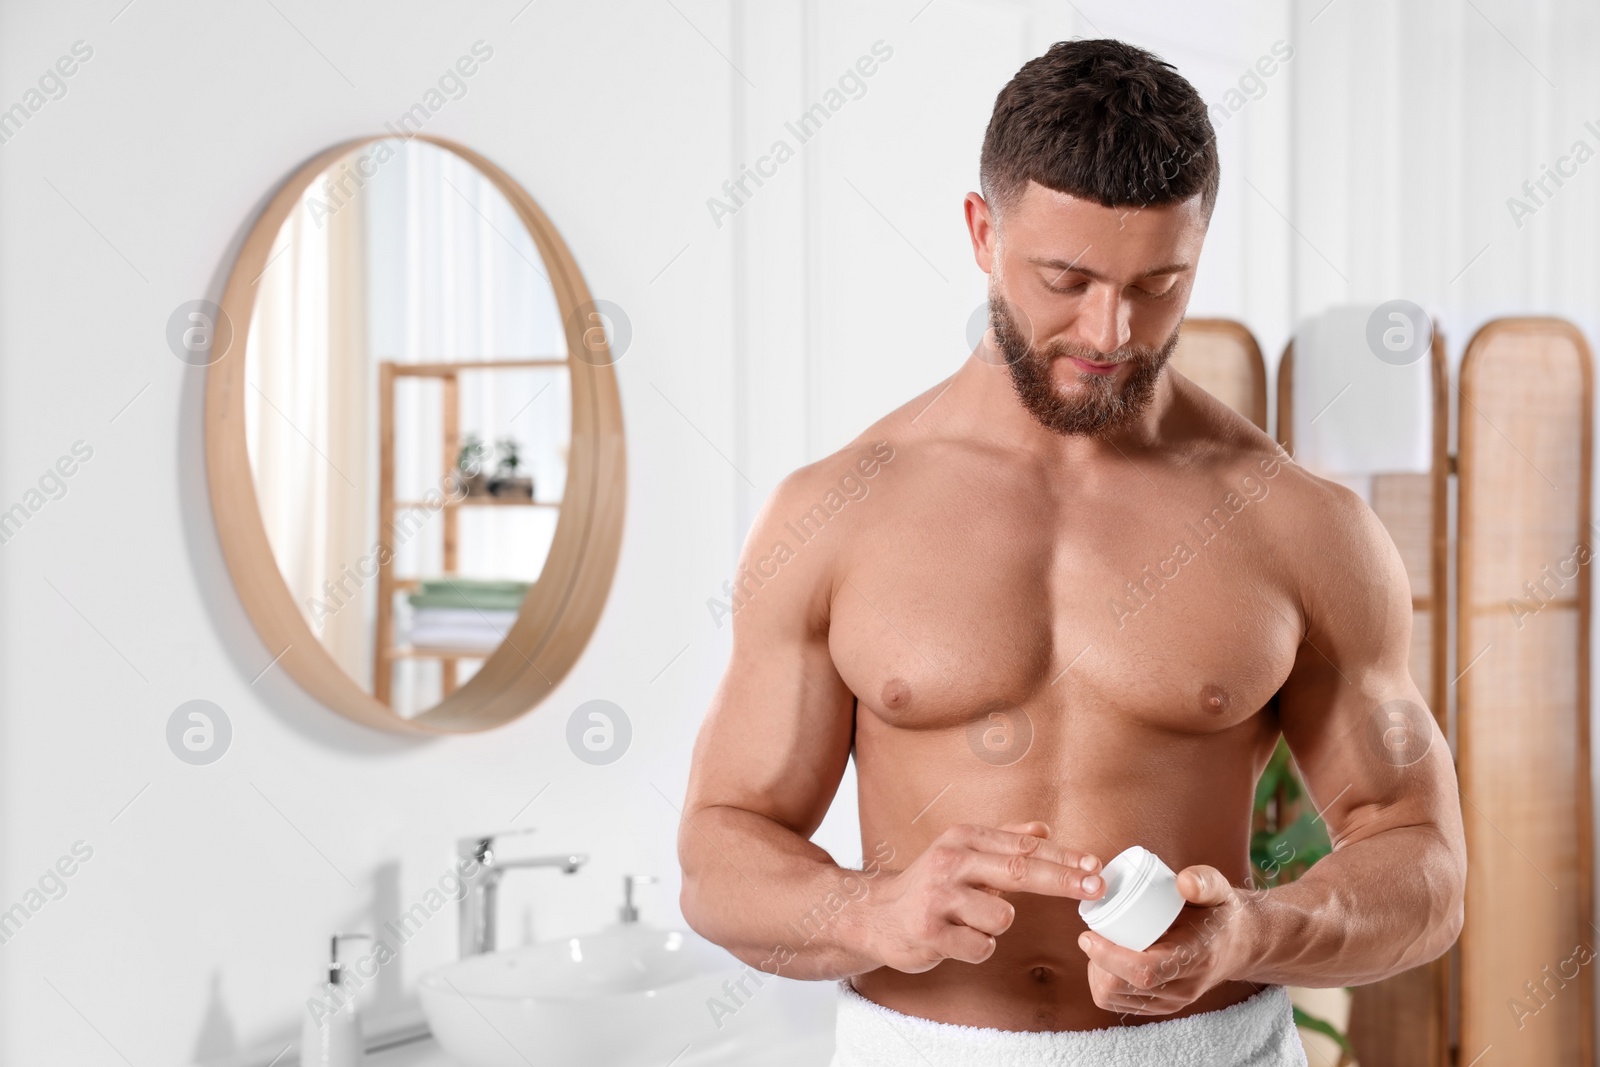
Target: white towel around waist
<point>1256,1032</point>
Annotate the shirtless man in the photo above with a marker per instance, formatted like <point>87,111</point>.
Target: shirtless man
<point>1050,624</point>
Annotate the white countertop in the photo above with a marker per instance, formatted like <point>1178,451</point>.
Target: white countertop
<point>418,1054</point>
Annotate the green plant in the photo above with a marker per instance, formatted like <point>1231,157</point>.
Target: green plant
<point>510,457</point>
<point>1288,838</point>
<point>472,455</point>
<point>1322,1026</point>
<point>1284,844</point>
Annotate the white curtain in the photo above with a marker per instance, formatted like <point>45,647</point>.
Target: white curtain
<point>306,414</point>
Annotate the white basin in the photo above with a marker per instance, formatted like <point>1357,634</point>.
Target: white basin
<point>629,996</point>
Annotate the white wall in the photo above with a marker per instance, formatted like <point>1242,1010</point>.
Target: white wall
<point>196,927</point>
<point>1414,124</point>
<point>841,288</point>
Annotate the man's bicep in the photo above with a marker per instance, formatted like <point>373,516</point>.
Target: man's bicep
<point>1361,733</point>
<point>777,736</point>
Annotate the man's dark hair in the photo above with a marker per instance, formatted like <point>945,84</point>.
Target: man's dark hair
<point>1104,121</point>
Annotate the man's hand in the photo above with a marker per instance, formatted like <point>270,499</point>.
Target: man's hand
<point>947,903</point>
<point>1201,951</point>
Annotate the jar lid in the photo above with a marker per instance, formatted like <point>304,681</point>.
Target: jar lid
<point>1125,878</point>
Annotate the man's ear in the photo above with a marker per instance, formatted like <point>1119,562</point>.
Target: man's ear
<point>983,228</point>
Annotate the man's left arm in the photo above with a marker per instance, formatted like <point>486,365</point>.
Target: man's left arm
<point>1377,769</point>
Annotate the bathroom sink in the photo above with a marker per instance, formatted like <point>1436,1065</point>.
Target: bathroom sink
<point>628,996</point>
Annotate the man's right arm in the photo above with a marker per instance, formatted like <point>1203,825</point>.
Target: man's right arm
<point>767,763</point>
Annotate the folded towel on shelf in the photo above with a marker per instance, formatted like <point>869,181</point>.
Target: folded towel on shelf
<point>460,628</point>
<point>480,593</point>
<point>457,583</point>
<point>1354,414</point>
<point>469,618</point>
<point>468,644</point>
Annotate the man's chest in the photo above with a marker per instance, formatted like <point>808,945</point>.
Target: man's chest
<point>1174,616</point>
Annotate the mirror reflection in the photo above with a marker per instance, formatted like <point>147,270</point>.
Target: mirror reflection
<point>408,416</point>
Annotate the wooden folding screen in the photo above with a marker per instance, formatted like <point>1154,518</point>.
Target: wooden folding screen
<point>1527,955</point>
<point>1404,1021</point>
<point>1522,695</point>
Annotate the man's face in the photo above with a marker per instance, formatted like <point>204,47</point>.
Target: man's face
<point>1086,301</point>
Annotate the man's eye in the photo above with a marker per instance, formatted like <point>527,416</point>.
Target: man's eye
<point>1158,289</point>
<point>1078,288</point>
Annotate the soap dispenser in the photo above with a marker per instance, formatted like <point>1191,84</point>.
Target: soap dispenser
<point>628,914</point>
<point>330,1035</point>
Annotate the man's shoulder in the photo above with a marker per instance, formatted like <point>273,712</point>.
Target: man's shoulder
<point>1313,514</point>
<point>1329,545</point>
<point>826,495</point>
<point>1228,443</point>
<point>1321,513</point>
<point>890,442</point>
<point>1315,521</point>
<point>840,475</point>
<point>1328,550</point>
<point>803,526</point>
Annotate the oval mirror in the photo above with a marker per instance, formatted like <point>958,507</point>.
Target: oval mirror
<point>414,439</point>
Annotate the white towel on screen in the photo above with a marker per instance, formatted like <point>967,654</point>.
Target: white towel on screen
<point>1354,414</point>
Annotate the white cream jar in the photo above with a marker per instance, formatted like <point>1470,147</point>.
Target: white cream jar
<point>1140,902</point>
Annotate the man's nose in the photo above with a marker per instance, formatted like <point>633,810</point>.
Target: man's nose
<point>1103,321</point>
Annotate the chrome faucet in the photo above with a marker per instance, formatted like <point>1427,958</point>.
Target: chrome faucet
<point>476,928</point>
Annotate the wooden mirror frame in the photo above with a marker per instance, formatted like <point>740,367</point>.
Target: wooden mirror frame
<point>564,605</point>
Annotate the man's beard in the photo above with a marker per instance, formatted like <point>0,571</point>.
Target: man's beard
<point>1099,408</point>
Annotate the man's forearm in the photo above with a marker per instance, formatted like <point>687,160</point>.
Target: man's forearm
<point>1369,910</point>
<point>774,899</point>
